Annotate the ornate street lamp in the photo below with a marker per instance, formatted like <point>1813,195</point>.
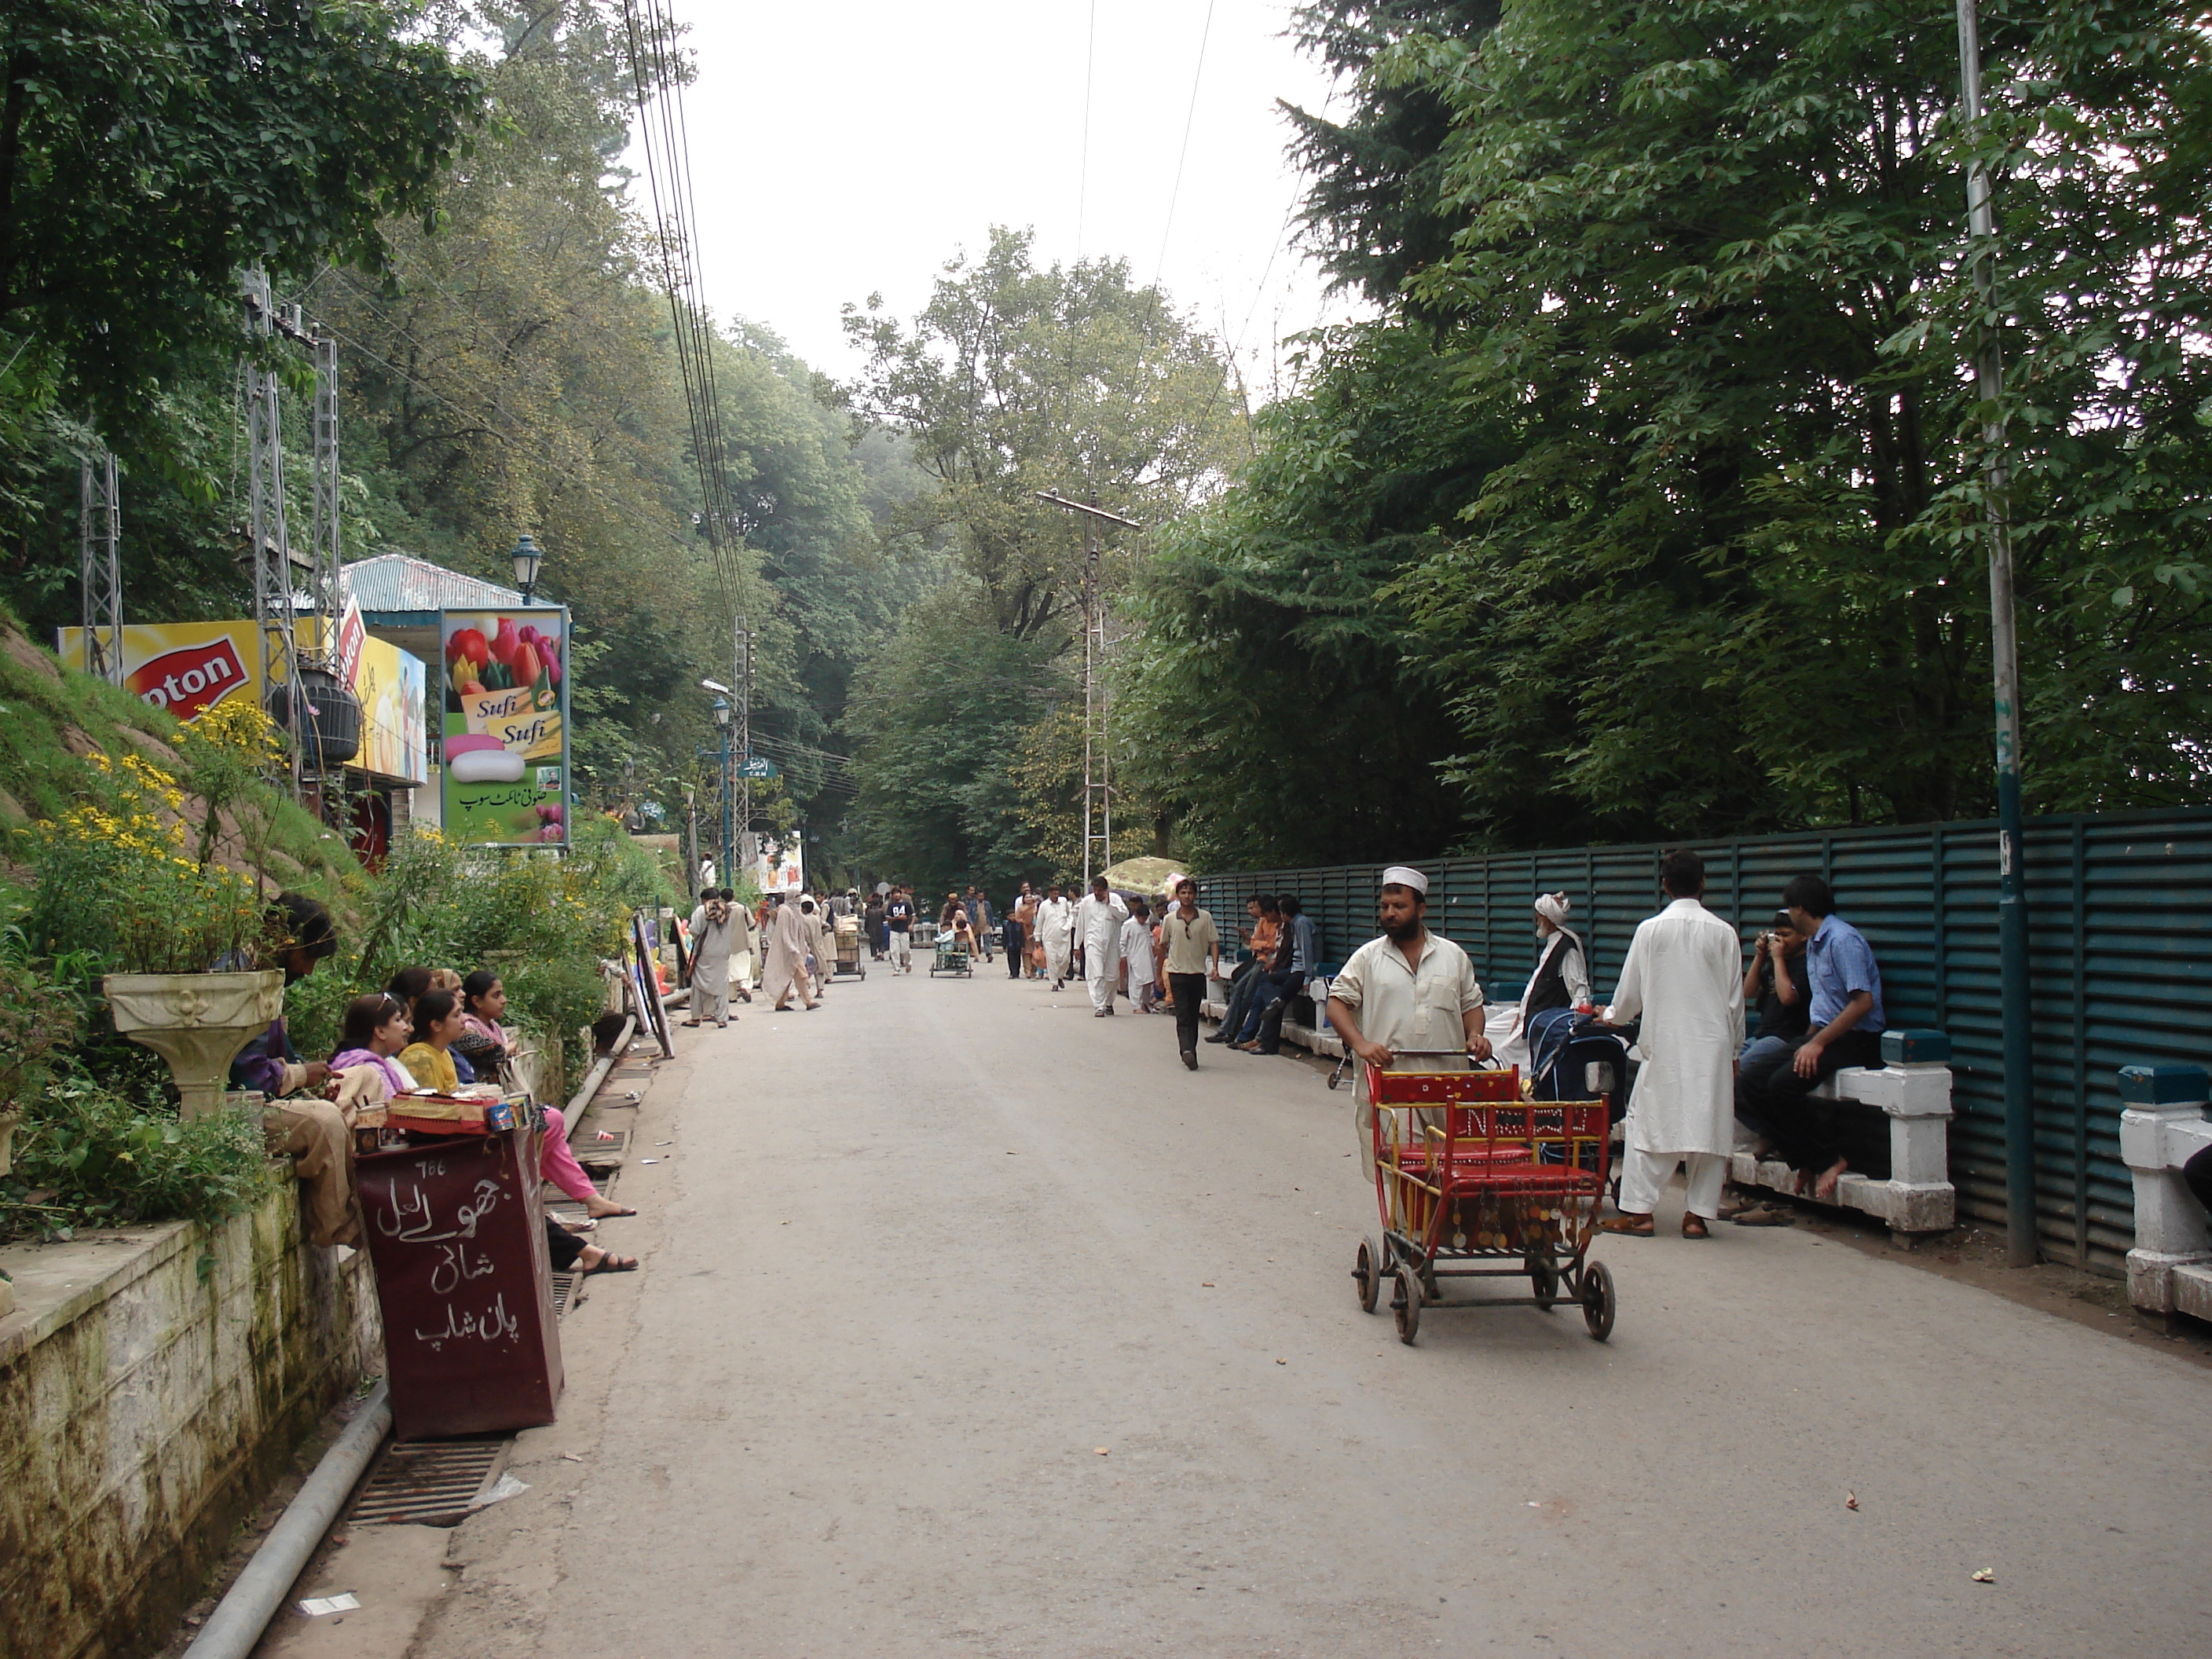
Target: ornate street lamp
<point>526,554</point>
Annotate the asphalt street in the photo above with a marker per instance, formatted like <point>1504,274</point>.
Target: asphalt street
<point>971,1324</point>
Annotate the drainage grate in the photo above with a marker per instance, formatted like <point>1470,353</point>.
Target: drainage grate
<point>587,1147</point>
<point>565,1287</point>
<point>433,1484</point>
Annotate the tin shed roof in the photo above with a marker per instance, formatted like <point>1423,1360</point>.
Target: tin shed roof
<point>394,585</point>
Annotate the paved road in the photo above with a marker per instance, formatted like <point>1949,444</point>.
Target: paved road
<point>914,1260</point>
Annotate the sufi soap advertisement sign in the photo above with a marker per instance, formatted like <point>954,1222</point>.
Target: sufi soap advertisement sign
<point>505,727</point>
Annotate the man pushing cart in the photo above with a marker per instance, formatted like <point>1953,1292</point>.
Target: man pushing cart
<point>1433,1135</point>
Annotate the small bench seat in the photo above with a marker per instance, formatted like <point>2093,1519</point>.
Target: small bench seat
<point>2162,1125</point>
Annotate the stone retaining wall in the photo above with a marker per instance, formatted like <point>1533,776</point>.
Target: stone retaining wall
<point>153,1384</point>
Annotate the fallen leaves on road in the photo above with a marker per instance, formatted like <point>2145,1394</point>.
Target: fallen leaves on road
<point>1851,1500</point>
<point>1100,1450</point>
<point>1282,1362</point>
<point>1986,1576</point>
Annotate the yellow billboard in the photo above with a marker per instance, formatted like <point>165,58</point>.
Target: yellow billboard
<point>188,668</point>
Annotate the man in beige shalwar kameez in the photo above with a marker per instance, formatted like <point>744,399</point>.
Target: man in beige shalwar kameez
<point>787,939</point>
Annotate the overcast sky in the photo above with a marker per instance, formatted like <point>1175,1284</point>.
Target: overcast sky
<point>844,149</point>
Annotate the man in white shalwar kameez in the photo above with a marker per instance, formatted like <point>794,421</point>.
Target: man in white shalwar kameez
<point>1684,975</point>
<point>1098,921</point>
<point>1056,933</point>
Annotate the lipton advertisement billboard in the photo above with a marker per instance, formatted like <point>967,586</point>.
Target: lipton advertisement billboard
<point>505,729</point>
<point>188,668</point>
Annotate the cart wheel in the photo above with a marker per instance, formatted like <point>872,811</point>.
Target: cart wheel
<point>1367,1273</point>
<point>1598,1300</point>
<point>1544,1281</point>
<point>1405,1305</point>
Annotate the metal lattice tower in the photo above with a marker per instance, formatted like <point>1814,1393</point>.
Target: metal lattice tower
<point>327,580</point>
<point>274,619</point>
<point>100,568</point>
<point>1097,783</point>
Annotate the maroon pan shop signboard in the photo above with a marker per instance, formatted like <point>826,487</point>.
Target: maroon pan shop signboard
<point>458,1237</point>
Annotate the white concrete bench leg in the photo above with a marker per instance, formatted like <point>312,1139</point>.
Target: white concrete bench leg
<point>2162,1125</point>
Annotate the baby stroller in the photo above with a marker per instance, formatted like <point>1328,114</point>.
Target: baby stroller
<point>1573,1057</point>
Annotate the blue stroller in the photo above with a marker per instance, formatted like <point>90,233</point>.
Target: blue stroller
<point>1575,1058</point>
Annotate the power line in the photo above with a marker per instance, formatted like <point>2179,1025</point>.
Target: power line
<point>1083,170</point>
<point>1190,117</point>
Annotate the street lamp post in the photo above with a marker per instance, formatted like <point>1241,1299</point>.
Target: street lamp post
<point>722,719</point>
<point>526,554</point>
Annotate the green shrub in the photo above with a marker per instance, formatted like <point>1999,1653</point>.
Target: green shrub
<point>86,1157</point>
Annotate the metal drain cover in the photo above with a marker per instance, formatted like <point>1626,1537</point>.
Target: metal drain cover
<point>434,1483</point>
<point>564,1289</point>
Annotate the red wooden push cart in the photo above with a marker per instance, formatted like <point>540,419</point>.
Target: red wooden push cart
<point>1469,1173</point>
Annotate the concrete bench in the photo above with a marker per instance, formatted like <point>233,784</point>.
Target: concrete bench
<point>1912,1090</point>
<point>2162,1124</point>
<point>1327,1044</point>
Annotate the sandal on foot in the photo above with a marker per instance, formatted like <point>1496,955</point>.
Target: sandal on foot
<point>612,1264</point>
<point>1765,1215</point>
<point>1627,1226</point>
<point>1693,1226</point>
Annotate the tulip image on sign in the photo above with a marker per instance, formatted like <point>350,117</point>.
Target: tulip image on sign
<point>505,728</point>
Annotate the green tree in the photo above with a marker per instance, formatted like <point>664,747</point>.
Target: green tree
<point>149,151</point>
<point>942,713</point>
<point>1013,380</point>
<point>1691,281</point>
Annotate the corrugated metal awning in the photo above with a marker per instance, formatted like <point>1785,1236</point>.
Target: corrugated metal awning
<point>394,585</point>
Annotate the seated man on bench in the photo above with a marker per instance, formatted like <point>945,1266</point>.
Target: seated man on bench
<point>1845,1011</point>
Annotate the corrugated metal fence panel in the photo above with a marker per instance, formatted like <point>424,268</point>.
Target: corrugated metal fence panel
<point>2120,952</point>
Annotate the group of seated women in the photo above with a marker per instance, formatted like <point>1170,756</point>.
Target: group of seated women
<point>431,1029</point>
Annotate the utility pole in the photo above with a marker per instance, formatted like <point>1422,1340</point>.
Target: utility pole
<point>274,617</point>
<point>2021,1250</point>
<point>328,568</point>
<point>1098,784</point>
<point>744,701</point>
<point>100,520</point>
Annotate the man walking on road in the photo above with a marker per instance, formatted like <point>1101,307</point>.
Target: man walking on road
<point>1684,975</point>
<point>787,960</point>
<point>1409,992</point>
<point>1099,920</point>
<point>1056,931</point>
<point>898,919</point>
<point>1194,946</point>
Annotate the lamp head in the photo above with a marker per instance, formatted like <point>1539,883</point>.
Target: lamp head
<point>527,556</point>
<point>721,711</point>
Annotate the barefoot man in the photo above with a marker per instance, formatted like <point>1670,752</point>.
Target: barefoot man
<point>1684,976</point>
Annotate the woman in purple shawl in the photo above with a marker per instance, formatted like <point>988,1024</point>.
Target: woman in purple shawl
<point>376,1028</point>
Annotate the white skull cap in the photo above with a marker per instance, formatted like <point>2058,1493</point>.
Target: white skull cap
<point>1400,875</point>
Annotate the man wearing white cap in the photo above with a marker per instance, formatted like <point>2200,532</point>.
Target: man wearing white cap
<point>1684,975</point>
<point>1409,992</point>
<point>1561,979</point>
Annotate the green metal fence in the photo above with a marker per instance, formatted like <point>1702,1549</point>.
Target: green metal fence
<point>2120,940</point>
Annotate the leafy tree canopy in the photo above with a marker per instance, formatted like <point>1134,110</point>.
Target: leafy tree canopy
<point>149,151</point>
<point>1693,280</point>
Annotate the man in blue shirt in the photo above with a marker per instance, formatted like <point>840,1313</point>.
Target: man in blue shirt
<point>1845,986</point>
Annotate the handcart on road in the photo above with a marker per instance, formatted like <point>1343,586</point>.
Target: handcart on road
<point>847,935</point>
<point>951,957</point>
<point>1467,1174</point>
